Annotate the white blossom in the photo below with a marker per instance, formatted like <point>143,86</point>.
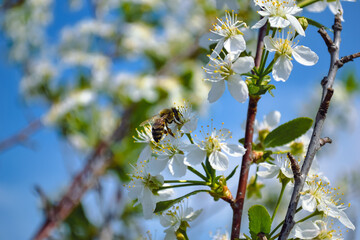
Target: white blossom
<point>169,154</point>
<point>285,50</point>
<point>218,70</point>
<point>281,165</point>
<point>318,195</point>
<point>144,188</point>
<point>173,218</point>
<point>279,13</point>
<point>270,121</point>
<point>214,147</point>
<point>227,34</point>
<point>188,119</point>
<point>317,230</point>
<point>75,99</point>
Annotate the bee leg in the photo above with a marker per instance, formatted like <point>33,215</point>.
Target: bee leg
<point>169,130</point>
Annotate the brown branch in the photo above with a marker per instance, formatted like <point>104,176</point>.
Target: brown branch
<point>238,203</point>
<point>315,142</point>
<point>347,58</point>
<point>327,39</point>
<point>294,167</point>
<point>21,136</point>
<point>12,4</point>
<point>97,163</point>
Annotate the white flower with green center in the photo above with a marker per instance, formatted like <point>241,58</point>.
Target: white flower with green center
<point>227,34</point>
<point>318,195</point>
<point>188,119</point>
<point>214,147</point>
<point>169,154</point>
<point>279,13</point>
<point>145,136</point>
<point>318,230</point>
<point>218,70</point>
<point>284,50</point>
<point>281,168</point>
<point>177,217</point>
<point>144,187</point>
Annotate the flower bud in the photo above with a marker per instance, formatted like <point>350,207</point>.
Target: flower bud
<point>303,22</point>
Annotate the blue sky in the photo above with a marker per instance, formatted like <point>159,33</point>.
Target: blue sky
<point>48,161</point>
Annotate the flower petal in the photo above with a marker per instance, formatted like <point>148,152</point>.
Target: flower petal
<point>308,202</point>
<point>260,23</point>
<point>305,56</point>
<point>148,203</point>
<point>217,90</point>
<point>273,119</point>
<point>156,165</point>
<point>272,170</point>
<point>306,230</point>
<point>295,23</point>
<point>195,155</point>
<point>269,44</point>
<point>317,6</point>
<point>235,44</point>
<point>243,65</point>
<point>238,88</point>
<point>176,166</point>
<point>278,22</point>
<point>219,161</point>
<point>233,150</point>
<point>218,48</point>
<point>145,154</point>
<point>282,69</point>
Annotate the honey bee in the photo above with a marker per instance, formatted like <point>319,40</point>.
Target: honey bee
<point>160,122</point>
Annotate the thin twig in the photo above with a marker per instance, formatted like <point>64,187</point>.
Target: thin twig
<point>21,136</point>
<point>96,165</point>
<point>315,142</point>
<point>325,140</point>
<point>347,58</point>
<point>262,236</point>
<point>238,203</point>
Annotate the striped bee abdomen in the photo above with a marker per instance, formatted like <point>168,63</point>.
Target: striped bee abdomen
<point>158,129</point>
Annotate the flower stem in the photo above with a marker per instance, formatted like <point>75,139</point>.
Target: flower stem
<point>184,185</point>
<point>183,181</point>
<point>283,186</point>
<point>310,216</point>
<point>198,173</point>
<point>306,3</point>
<point>280,224</point>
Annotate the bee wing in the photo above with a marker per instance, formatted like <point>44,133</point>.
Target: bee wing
<point>149,121</point>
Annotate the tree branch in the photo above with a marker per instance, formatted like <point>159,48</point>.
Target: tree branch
<point>347,58</point>
<point>97,163</point>
<point>238,203</point>
<point>21,136</point>
<point>315,142</point>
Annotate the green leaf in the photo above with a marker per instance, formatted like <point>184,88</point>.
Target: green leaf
<point>232,173</point>
<point>288,132</point>
<point>163,205</point>
<point>260,90</point>
<point>259,221</point>
<point>242,141</point>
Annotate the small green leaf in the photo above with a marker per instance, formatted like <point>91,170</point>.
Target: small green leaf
<point>242,141</point>
<point>163,205</point>
<point>259,221</point>
<point>288,132</point>
<point>232,173</point>
<point>260,90</point>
